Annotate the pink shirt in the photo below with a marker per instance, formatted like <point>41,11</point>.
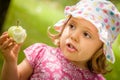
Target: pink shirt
<point>50,64</point>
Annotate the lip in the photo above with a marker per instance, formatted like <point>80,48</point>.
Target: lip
<point>70,47</point>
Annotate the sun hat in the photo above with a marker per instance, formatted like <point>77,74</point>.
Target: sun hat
<point>103,14</point>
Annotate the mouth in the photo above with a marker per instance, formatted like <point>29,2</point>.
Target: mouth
<point>71,47</point>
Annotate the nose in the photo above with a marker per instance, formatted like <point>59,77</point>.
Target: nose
<point>75,36</point>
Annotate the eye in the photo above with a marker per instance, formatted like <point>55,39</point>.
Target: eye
<point>87,35</point>
<point>72,26</point>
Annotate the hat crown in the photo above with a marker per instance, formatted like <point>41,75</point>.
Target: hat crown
<point>100,12</point>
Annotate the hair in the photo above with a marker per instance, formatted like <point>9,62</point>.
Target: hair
<point>97,63</point>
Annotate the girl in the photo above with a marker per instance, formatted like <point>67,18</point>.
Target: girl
<point>84,44</point>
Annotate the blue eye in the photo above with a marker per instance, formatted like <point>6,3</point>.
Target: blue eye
<point>87,35</point>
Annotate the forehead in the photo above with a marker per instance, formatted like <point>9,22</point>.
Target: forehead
<point>83,23</point>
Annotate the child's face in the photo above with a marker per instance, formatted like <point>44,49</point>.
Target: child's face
<point>79,40</point>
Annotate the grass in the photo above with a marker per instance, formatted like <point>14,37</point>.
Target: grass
<point>35,16</point>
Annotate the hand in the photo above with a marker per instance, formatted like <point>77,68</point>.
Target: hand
<point>9,47</point>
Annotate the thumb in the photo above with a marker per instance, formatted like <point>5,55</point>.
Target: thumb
<point>16,48</point>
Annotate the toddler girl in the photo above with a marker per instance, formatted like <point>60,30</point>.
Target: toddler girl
<point>84,42</point>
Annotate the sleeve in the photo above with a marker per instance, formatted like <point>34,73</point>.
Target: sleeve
<point>34,52</point>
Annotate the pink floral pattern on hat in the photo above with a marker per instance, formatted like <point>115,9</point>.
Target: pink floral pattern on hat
<point>104,15</point>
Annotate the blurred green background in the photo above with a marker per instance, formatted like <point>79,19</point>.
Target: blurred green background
<point>36,15</point>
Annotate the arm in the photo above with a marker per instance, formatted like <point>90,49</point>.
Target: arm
<point>21,72</point>
<point>9,71</point>
<point>25,70</point>
<point>10,52</point>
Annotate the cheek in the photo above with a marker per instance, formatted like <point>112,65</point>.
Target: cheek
<point>64,34</point>
<point>65,31</point>
<point>89,48</point>
<point>86,55</point>
<point>64,37</point>
<point>94,47</point>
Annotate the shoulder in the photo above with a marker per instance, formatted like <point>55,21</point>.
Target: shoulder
<point>36,52</point>
<point>37,47</point>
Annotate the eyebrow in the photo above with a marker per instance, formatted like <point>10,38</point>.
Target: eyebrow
<point>74,21</point>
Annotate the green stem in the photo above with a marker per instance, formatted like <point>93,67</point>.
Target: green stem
<point>17,23</point>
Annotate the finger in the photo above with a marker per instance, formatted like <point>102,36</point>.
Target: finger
<point>3,38</point>
<point>7,43</point>
<point>11,46</point>
<point>8,48</point>
<point>4,33</point>
<point>16,48</point>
